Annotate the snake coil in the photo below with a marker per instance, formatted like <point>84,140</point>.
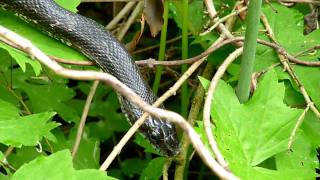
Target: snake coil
<point>100,46</point>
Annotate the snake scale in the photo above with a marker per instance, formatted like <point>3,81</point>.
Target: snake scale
<point>100,46</point>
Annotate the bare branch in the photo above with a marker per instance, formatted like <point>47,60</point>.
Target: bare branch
<point>208,101</point>
<point>84,117</point>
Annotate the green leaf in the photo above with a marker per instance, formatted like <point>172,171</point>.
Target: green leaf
<point>310,127</point>
<point>3,177</point>
<point>71,5</point>
<point>56,166</point>
<point>47,44</point>
<point>22,59</point>
<point>88,154</point>
<point>250,133</point>
<point>133,166</point>
<point>27,130</point>
<point>302,157</point>
<point>293,40</point>
<point>23,155</point>
<point>8,111</point>
<point>193,11</point>
<point>143,142</point>
<point>153,169</point>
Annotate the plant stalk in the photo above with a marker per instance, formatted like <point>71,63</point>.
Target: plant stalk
<point>250,44</point>
<point>162,48</point>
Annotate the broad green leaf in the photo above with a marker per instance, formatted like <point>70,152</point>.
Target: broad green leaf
<point>293,40</point>
<point>27,130</point>
<point>71,5</point>
<point>302,156</point>
<point>88,154</point>
<point>311,128</point>
<point>250,133</point>
<point>22,59</point>
<point>153,169</point>
<point>194,11</point>
<point>44,93</point>
<point>56,166</point>
<point>23,155</point>
<point>47,44</point>
<point>4,177</point>
<point>8,111</point>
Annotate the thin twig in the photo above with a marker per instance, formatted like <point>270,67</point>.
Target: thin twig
<point>208,101</point>
<point>296,127</point>
<point>72,62</point>
<point>213,13</point>
<point>195,109</point>
<point>315,2</point>
<point>307,50</point>
<point>84,118</point>
<point>135,13</point>
<point>7,165</point>
<point>28,112</point>
<point>165,169</point>
<point>113,23</point>
<point>125,91</point>
<point>8,151</point>
<point>234,13</point>
<point>153,62</point>
<point>156,46</point>
<point>283,57</point>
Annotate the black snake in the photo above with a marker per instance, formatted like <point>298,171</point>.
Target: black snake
<point>100,46</point>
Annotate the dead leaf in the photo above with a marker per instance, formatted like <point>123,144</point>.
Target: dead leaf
<point>152,12</point>
<point>311,22</point>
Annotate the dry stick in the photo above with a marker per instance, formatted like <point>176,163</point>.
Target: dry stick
<point>7,165</point>
<point>213,13</point>
<point>8,151</point>
<point>137,10</point>
<point>208,101</point>
<point>72,62</point>
<point>113,23</point>
<point>283,56</point>
<point>307,50</point>
<point>152,62</point>
<point>195,110</point>
<point>315,2</point>
<point>193,114</point>
<point>234,13</point>
<point>165,169</point>
<point>122,89</point>
<point>207,52</point>
<point>296,127</point>
<point>84,117</point>
<point>156,46</point>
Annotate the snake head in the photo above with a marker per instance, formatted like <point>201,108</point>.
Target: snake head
<point>162,135</point>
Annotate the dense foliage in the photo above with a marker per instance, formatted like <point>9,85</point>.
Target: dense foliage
<point>40,111</point>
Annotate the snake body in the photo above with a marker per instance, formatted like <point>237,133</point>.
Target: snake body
<point>101,47</point>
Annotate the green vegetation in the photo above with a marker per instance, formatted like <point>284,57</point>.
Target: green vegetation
<point>40,111</point>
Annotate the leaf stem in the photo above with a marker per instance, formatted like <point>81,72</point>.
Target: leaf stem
<point>162,49</point>
<point>247,62</point>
